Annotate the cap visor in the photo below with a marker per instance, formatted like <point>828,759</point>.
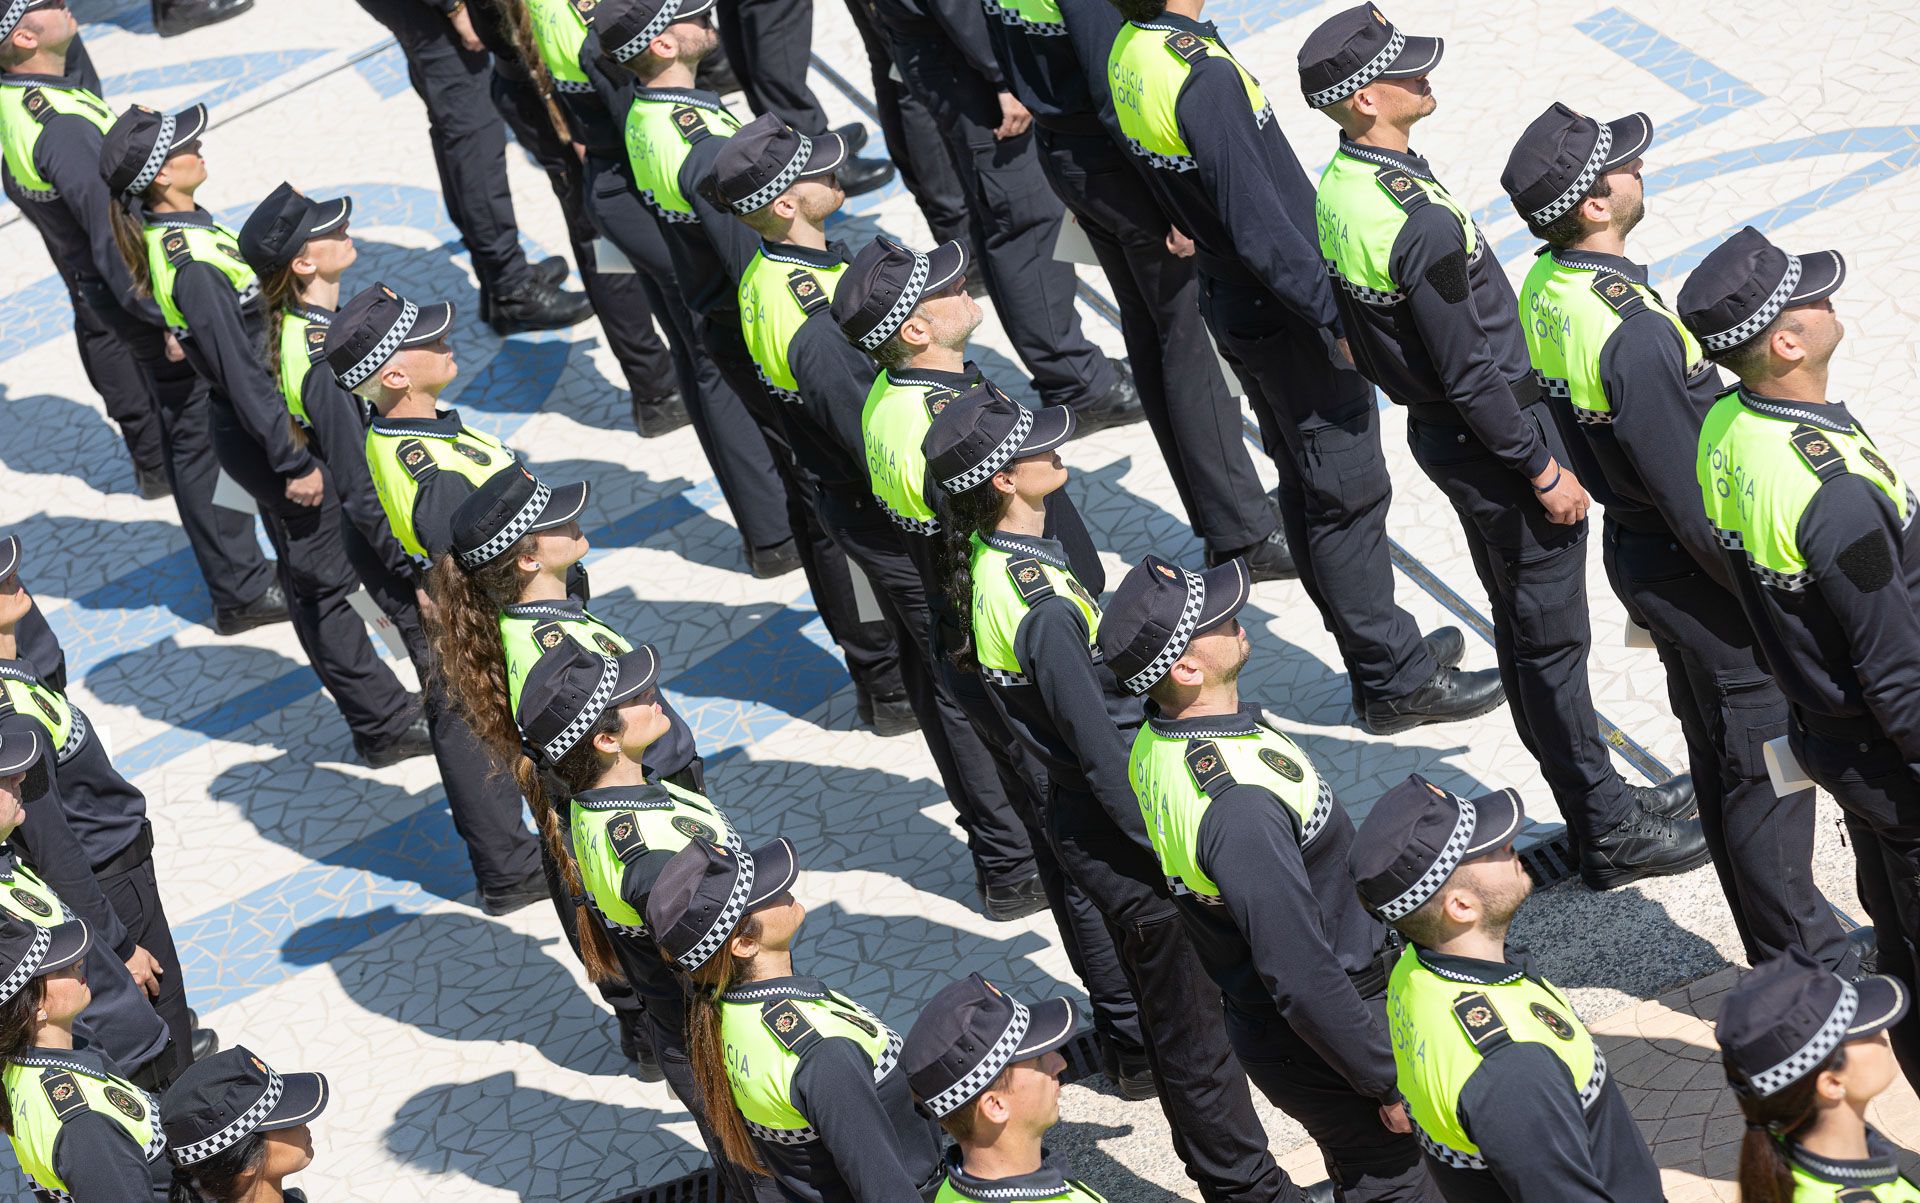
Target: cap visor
<point>9,556</point>
<point>829,152</point>
<point>945,264</point>
<point>19,751</point>
<point>563,506</point>
<point>1632,135</point>
<point>70,942</point>
<point>1496,820</point>
<point>774,872</point>
<point>302,1096</point>
<point>694,8</point>
<point>639,669</point>
<point>1050,1024</point>
<point>188,124</point>
<point>1821,274</point>
<point>1052,426</point>
<point>433,323</point>
<point>1419,56</point>
<point>1228,587</point>
<point>324,217</point>
<point>1883,1001</point>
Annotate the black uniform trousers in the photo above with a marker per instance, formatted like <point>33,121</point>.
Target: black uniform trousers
<point>1194,419</point>
<point>469,141</point>
<point>130,887</point>
<point>317,578</point>
<point>1319,424</point>
<point>115,374</point>
<point>1535,575</point>
<point>732,441</point>
<point>769,44</point>
<point>1203,1092</point>
<point>1016,222</point>
<point>1729,707</point>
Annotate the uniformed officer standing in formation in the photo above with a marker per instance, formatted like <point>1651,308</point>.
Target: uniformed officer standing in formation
<point>1508,1092</point>
<point>1631,388</point>
<point>1816,526</point>
<point>237,1129</point>
<point>1431,319</point>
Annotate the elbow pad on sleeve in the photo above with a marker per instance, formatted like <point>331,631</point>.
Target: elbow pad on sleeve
<point>1449,277</point>
<point>1868,562</point>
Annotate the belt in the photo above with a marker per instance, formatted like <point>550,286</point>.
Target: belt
<point>1372,979</point>
<point>1851,729</point>
<point>131,856</point>
<point>1526,390</point>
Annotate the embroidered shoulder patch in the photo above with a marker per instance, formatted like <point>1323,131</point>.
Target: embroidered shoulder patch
<point>937,400</point>
<point>64,1093</point>
<point>1208,766</point>
<point>33,903</point>
<point>37,106</point>
<point>549,635</point>
<point>1879,465</point>
<point>316,343</point>
<point>173,244</point>
<point>694,829</point>
<point>787,1024</point>
<point>686,119</point>
<point>1187,47</point>
<point>1400,186</point>
<point>806,289</point>
<point>1552,1020</point>
<point>623,831</point>
<point>1619,294</point>
<point>125,1103</point>
<point>1029,579</point>
<point>1818,450</point>
<point>1481,1022</point>
<point>1283,764</point>
<point>415,458</point>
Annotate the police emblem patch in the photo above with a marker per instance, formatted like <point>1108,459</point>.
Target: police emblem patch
<point>622,831</point>
<point>1479,1016</point>
<point>1879,465</point>
<point>1029,575</point>
<point>686,116</point>
<point>35,101</point>
<point>413,457</point>
<point>46,708</point>
<point>1400,183</point>
<point>389,293</point>
<point>125,1103</point>
<point>316,336</point>
<point>1378,17</point>
<point>1205,764</point>
<point>1165,571</point>
<point>548,635</point>
<point>32,902</point>
<point>1816,447</point>
<point>583,7</point>
<point>62,1091</point>
<point>259,1065</point>
<point>606,643</point>
<point>1552,1020</point>
<point>785,1023</point>
<point>695,829</point>
<point>938,405</point>
<point>1615,289</point>
<point>869,1028</point>
<point>1282,765</point>
<point>473,453</point>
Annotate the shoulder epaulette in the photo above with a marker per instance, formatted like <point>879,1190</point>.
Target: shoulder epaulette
<point>623,829</point>
<point>1855,1194</point>
<point>789,1026</point>
<point>1481,1022</point>
<point>937,400</point>
<point>686,119</point>
<point>1401,187</point>
<point>1029,579</point>
<point>316,343</point>
<point>173,244</point>
<point>549,635</point>
<point>1619,293</point>
<point>1816,447</point>
<point>37,106</point>
<point>1187,47</point>
<point>416,459</point>
<point>1208,766</point>
<point>63,1091</point>
<point>806,289</point>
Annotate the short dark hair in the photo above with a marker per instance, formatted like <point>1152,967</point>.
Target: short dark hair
<point>960,1122</point>
<point>895,352</point>
<point>1141,10</point>
<point>1750,357</point>
<point>1565,230</point>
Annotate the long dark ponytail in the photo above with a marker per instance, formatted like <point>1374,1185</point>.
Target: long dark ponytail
<point>975,511</point>
<point>1765,1174</point>
<point>707,1049</point>
<point>580,769</point>
<point>130,239</point>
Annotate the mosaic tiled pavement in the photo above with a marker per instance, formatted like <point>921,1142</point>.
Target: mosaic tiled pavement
<point>324,909</point>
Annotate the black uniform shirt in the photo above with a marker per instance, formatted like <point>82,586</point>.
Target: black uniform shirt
<point>1048,1182</point>
<point>1061,79</point>
<point>834,377</point>
<point>1523,1110</point>
<point>1290,928</point>
<point>960,23</point>
<point>591,115</point>
<point>1453,350</point>
<point>48,839</point>
<point>40,647</point>
<point>1880,1167</point>
<point>104,809</point>
<point>92,1153</point>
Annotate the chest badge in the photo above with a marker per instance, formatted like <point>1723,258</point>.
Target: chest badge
<point>870,1029</point>
<point>1879,465</point>
<point>32,902</point>
<point>125,1103</point>
<point>46,708</point>
<point>473,453</point>
<point>695,829</point>
<point>1552,1020</point>
<point>606,643</point>
<point>1283,765</point>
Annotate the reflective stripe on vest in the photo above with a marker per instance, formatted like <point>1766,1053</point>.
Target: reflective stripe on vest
<point>660,134</point>
<point>25,896</point>
<point>1002,584</point>
<point>1568,312</point>
<point>470,455</point>
<point>1038,17</point>
<point>1145,73</point>
<point>1442,1028</point>
<point>900,408</point>
<point>760,1065</point>
<point>1759,470</point>
<point>559,30</point>
<point>607,835</point>
<point>528,635</point>
<point>1074,1191</point>
<point>32,1079</point>
<point>1359,207</point>
<point>1166,773</point>
<point>27,694</point>
<point>23,110</point>
<point>771,311</point>
<point>214,245</point>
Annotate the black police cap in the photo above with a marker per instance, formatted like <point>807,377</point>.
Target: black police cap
<point>1351,49</point>
<point>1560,155</point>
<point>374,324</point>
<point>626,27</point>
<point>1157,610</point>
<point>969,1033</point>
<point>981,430</point>
<point>569,688</point>
<point>1745,283</point>
<point>28,950</point>
<point>136,147</point>
<point>9,555</point>
<point>20,748</point>
<point>1417,834</point>
<point>220,1100</point>
<point>764,158</point>
<point>281,225</point>
<point>11,13</point>
<point>885,282</point>
<point>508,506</point>
<point>1781,1021</point>
<point>703,893</point>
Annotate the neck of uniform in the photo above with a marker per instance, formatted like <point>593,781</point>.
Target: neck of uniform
<point>1024,516</point>
<point>624,771</point>
<point>264,1190</point>
<point>771,963</point>
<point>52,1033</point>
<point>804,233</point>
<point>549,584</point>
<point>170,200</point>
<point>1839,1133</point>
<point>9,643</point>
<point>1213,699</point>
<point>1478,943</point>
<point>1014,1152</point>
<point>318,291</point>
<point>1386,136</point>
<point>416,403</point>
<point>1806,383</point>
<point>1604,241</point>
<point>676,74</point>
<point>936,358</point>
<point>1190,9</point>
<point>43,62</point>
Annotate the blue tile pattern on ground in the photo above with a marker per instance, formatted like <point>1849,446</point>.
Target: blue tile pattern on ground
<point>385,71</point>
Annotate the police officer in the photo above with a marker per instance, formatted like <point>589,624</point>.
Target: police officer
<point>1507,1090</point>
<point>79,1129</point>
<point>1614,359</point>
<point>1805,1051</point>
<point>1253,844</point>
<point>1434,323</point>
<point>1203,130</point>
<point>234,1124</point>
<point>800,1082</point>
<point>1815,523</point>
<point>393,354</point>
<point>51,124</point>
<point>673,133</point>
<point>1030,617</point>
<point>988,1067</point>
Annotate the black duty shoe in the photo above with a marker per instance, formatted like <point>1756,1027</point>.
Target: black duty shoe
<point>508,899</point>
<point>1446,645</point>
<point>538,306</point>
<point>1004,904</point>
<point>1132,1074</point>
<point>1866,945</point>
<point>171,18</point>
<point>1449,697</point>
<point>1271,559</point>
<point>414,741</point>
<point>855,135</point>
<point>888,716</point>
<point>1646,845</point>
<point>551,270</point>
<point>263,611</point>
<point>1120,407</point>
<point>1319,1192</point>
<point>769,562</point>
<point>152,483</point>
<point>206,1042</point>
<point>860,176</point>
<point>655,416</point>
<point>1671,799</point>
<point>636,1045</point>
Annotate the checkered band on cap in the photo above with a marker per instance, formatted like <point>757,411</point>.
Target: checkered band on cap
<point>991,1063</point>
<point>1761,317</point>
<point>780,183</point>
<point>156,158</point>
<point>1576,191</point>
<point>997,459</point>
<point>589,714</point>
<point>510,534</point>
<point>1396,42</point>
<point>902,307</point>
<point>723,924</point>
<point>11,17</point>
<point>29,964</point>
<point>382,350</point>
<point>236,1131</point>
<point>1813,1052</point>
<point>652,30</point>
<point>1438,872</point>
<point>1176,644</point>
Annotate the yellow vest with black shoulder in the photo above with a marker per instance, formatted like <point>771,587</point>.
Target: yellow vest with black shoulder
<point>1146,69</point>
<point>24,896</point>
<point>399,461</point>
<point>302,341</point>
<point>1359,207</point>
<point>46,1092</point>
<point>24,113</point>
<point>1072,1191</point>
<point>1041,18</point>
<point>559,30</point>
<point>767,1031</point>
<point>660,135</point>
<point>608,836</point>
<point>1568,312</point>
<point>1175,780</point>
<point>524,638</point>
<point>1811,1186</point>
<point>1005,586</point>
<point>172,247</point>
<point>777,295</point>
<point>1442,1028</point>
<point>900,409</point>
<point>23,693</point>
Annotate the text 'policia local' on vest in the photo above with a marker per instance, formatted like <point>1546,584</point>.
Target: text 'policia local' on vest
<point>766,1031</point>
<point>1146,69</point>
<point>660,135</point>
<point>1005,586</point>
